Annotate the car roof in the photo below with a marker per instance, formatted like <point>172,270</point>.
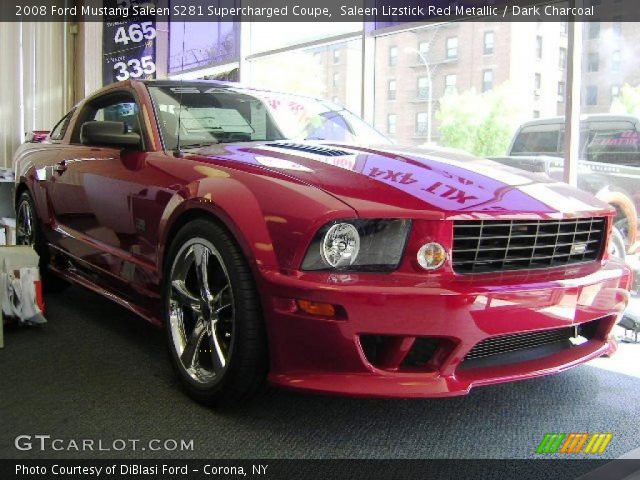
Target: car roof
<point>601,117</point>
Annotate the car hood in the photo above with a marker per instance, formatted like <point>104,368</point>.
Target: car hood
<point>393,180</point>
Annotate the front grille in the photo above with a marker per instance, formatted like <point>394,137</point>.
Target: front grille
<point>529,340</point>
<point>481,246</point>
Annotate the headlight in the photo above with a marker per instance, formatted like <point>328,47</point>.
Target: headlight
<point>340,245</point>
<point>358,245</point>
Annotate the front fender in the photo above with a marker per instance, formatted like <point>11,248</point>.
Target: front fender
<point>273,221</point>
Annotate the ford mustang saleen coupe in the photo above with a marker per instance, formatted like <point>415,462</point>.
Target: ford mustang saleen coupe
<point>279,238</point>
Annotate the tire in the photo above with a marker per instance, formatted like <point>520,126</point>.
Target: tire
<point>617,248</point>
<point>627,216</point>
<point>215,334</point>
<point>29,232</point>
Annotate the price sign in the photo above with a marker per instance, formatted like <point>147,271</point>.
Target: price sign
<point>128,46</point>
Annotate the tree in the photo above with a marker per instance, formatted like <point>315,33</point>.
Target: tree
<point>628,102</point>
<point>480,123</point>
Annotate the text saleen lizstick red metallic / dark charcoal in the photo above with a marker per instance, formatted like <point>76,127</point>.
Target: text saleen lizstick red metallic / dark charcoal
<point>279,237</point>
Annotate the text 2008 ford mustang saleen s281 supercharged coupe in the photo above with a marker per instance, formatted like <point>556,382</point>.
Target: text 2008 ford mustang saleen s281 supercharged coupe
<point>278,237</point>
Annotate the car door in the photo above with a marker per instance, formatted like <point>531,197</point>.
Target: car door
<point>105,201</point>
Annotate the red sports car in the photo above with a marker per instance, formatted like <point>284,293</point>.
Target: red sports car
<point>279,238</point>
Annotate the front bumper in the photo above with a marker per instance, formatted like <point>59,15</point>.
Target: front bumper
<point>459,312</point>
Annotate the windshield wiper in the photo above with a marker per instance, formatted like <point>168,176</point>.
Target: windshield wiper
<point>199,144</point>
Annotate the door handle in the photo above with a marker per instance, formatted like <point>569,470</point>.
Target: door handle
<point>60,167</point>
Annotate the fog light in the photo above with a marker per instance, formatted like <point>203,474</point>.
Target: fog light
<point>317,308</point>
<point>432,256</point>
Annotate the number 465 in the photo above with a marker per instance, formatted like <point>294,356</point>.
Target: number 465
<point>137,33</point>
<point>135,68</point>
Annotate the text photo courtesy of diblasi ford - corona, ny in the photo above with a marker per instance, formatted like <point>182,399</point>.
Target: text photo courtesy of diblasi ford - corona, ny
<point>381,239</point>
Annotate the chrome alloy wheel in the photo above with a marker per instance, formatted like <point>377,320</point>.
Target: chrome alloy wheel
<point>25,232</point>
<point>201,311</point>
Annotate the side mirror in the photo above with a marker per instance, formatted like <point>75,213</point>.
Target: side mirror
<point>108,134</point>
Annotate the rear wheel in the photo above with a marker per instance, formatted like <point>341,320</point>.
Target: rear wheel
<point>28,232</point>
<point>213,319</point>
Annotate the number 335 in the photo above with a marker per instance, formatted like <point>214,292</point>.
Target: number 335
<point>135,68</point>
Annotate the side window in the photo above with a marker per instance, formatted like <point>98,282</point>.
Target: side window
<point>61,127</point>
<point>536,143</point>
<point>123,111</point>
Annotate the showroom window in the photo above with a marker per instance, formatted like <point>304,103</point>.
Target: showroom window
<point>610,108</point>
<point>489,43</point>
<point>392,122</point>
<point>393,56</point>
<point>392,90</point>
<point>310,70</point>
<point>469,94</point>
<point>452,48</point>
<point>487,80</point>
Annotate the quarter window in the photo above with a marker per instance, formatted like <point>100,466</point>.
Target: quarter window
<point>61,127</point>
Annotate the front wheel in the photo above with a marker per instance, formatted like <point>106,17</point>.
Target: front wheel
<point>215,331</point>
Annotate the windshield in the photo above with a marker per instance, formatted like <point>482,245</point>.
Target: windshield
<point>203,114</point>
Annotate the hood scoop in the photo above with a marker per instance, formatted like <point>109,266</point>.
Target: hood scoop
<point>314,149</point>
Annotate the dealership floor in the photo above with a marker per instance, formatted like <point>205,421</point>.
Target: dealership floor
<point>97,371</point>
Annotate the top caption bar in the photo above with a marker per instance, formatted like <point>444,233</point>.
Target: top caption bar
<point>378,13</point>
